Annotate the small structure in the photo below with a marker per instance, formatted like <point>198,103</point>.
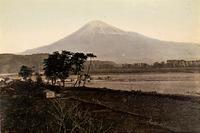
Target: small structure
<point>8,81</point>
<point>2,79</point>
<point>50,94</point>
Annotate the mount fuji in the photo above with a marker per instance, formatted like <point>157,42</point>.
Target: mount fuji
<point>114,44</point>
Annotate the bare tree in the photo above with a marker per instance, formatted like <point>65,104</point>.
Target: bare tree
<point>90,56</point>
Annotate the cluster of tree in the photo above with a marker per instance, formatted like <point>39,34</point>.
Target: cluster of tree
<point>167,64</point>
<point>183,63</point>
<point>135,65</point>
<point>176,63</point>
<point>60,66</point>
<point>25,72</point>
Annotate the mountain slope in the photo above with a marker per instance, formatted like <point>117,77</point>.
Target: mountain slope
<point>111,43</point>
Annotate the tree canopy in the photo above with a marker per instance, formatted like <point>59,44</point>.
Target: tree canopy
<point>25,72</point>
<point>60,65</point>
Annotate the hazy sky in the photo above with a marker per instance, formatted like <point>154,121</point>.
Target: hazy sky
<point>26,24</point>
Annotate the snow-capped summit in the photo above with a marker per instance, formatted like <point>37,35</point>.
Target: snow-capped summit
<point>100,27</point>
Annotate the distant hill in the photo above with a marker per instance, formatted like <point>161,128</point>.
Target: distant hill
<point>11,63</point>
<point>111,43</point>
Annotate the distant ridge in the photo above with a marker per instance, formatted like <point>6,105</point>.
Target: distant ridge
<point>111,43</point>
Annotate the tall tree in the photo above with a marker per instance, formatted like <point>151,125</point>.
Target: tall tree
<point>58,66</point>
<point>90,56</point>
<point>64,66</point>
<point>50,67</point>
<point>78,60</point>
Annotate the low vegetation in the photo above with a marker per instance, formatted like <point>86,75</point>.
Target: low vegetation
<point>24,108</point>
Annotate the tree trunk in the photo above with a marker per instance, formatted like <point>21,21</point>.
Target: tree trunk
<point>78,78</point>
<point>52,81</point>
<point>63,82</point>
<point>88,71</point>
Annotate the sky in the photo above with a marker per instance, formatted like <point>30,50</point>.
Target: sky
<point>26,24</point>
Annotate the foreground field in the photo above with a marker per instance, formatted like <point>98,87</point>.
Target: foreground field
<point>143,112</point>
<point>122,111</point>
